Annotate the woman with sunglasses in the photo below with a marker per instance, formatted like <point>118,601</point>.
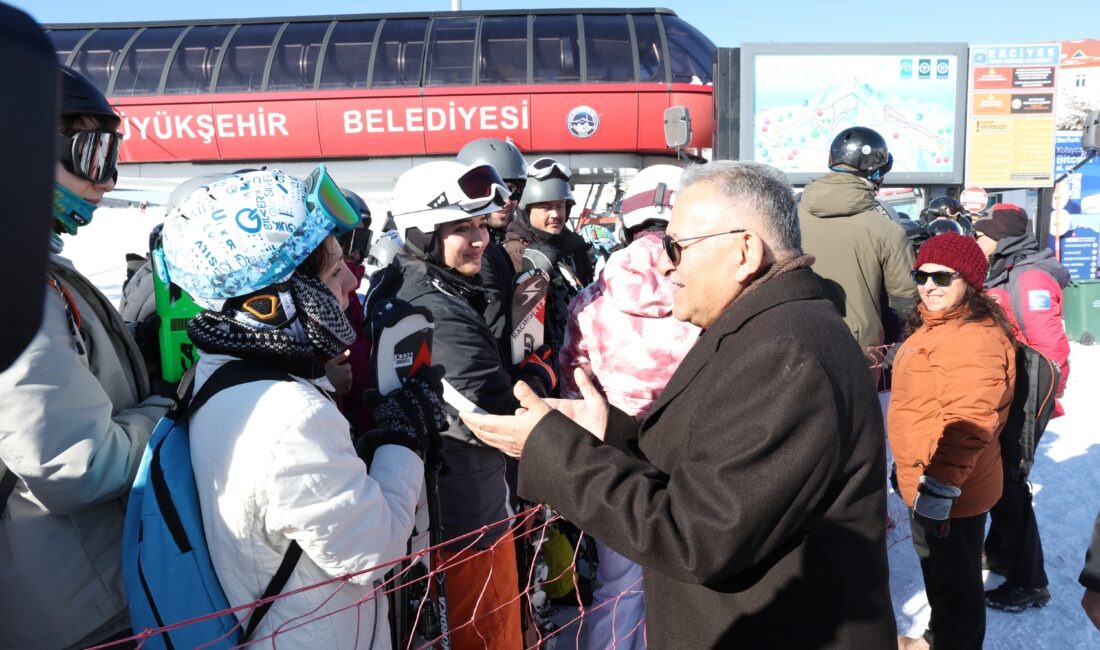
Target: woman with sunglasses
<point>273,458</point>
<point>75,414</point>
<point>441,210</point>
<point>953,381</point>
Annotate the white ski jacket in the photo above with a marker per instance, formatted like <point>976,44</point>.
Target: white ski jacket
<point>274,461</point>
<point>75,414</point>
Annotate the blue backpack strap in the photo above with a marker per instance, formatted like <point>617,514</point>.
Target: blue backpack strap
<point>232,374</point>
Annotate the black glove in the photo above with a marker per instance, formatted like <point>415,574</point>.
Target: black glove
<point>146,334</point>
<point>411,417</point>
<point>932,507</point>
<point>537,370</point>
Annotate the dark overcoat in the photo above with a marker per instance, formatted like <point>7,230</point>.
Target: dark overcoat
<point>753,494</point>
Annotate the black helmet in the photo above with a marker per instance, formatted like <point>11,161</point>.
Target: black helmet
<point>501,154</point>
<point>861,151</point>
<point>80,97</point>
<point>942,207</point>
<point>356,240</point>
<point>941,225</point>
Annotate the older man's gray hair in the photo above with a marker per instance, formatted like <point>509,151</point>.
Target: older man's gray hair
<point>772,211</point>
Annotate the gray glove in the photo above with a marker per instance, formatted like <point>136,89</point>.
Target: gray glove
<point>932,507</point>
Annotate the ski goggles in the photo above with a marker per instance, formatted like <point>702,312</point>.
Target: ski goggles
<point>941,279</point>
<point>355,242</point>
<point>475,189</point>
<point>516,190</point>
<point>882,171</point>
<point>544,168</point>
<point>674,247</point>
<point>91,155</point>
<point>324,195</point>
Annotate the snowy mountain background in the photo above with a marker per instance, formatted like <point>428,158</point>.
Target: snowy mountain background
<point>1066,476</point>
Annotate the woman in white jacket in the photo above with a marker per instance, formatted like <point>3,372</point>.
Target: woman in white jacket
<point>274,460</point>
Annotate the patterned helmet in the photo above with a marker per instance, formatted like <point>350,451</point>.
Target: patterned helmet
<point>244,232</point>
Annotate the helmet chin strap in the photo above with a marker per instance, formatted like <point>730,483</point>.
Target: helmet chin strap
<point>69,212</point>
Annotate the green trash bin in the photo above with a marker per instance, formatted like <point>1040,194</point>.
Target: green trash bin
<point>1081,310</point>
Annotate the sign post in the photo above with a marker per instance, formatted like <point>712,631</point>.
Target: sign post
<point>974,199</point>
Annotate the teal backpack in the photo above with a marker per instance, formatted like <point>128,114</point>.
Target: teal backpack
<point>166,566</point>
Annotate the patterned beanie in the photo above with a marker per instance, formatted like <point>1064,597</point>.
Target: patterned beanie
<point>956,252</point>
<point>1005,220</point>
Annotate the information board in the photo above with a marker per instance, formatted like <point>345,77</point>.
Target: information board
<point>1010,115</point>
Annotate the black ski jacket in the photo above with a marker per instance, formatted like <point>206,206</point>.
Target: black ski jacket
<point>472,489</point>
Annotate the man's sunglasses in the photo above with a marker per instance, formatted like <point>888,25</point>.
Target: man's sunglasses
<point>91,155</point>
<point>674,247</point>
<point>939,278</point>
<point>323,194</point>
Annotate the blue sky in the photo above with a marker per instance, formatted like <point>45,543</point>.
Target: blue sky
<point>726,22</point>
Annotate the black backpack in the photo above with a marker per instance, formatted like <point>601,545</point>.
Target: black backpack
<point>1037,381</point>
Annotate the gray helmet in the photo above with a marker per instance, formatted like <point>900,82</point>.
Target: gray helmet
<point>547,180</point>
<point>501,154</point>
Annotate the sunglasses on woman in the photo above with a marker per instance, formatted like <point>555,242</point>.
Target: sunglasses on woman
<point>939,278</point>
<point>674,247</point>
<point>91,155</point>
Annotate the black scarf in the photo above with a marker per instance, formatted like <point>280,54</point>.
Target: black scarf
<point>305,328</point>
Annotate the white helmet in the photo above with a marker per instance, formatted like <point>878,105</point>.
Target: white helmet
<point>440,192</point>
<point>247,231</point>
<point>649,198</point>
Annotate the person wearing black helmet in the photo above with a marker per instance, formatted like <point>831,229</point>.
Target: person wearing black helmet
<point>943,214</point>
<point>862,255</point>
<point>76,414</point>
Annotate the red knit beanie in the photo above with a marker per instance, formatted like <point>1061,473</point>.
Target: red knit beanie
<point>956,252</point>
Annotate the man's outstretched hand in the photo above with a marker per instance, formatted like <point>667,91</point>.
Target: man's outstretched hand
<point>509,433</point>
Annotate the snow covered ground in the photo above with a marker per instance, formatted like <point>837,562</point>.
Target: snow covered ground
<point>1066,476</point>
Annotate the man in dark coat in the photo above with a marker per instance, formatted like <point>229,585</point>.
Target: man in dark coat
<point>752,494</point>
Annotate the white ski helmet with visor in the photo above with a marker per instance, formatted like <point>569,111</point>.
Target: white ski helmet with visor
<point>440,192</point>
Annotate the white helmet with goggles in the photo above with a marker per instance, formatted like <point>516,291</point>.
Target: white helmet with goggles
<point>440,192</point>
<point>249,230</point>
<point>649,198</point>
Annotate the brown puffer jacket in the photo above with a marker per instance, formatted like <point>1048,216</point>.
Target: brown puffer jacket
<point>952,387</point>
